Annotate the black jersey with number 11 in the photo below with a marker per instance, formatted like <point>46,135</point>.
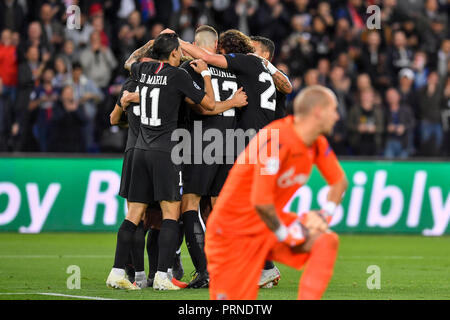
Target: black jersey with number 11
<point>162,89</point>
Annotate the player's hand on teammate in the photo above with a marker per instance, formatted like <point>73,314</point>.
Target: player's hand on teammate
<point>240,98</point>
<point>125,101</point>
<point>199,65</point>
<point>266,62</point>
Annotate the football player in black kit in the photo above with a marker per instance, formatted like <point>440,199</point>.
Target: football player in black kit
<point>155,177</point>
<point>265,48</point>
<point>260,80</point>
<point>206,177</point>
<point>125,99</point>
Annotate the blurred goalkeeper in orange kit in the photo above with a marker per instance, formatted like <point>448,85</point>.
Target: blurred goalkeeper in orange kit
<point>248,225</point>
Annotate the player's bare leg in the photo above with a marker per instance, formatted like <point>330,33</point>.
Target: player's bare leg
<point>167,242</point>
<point>213,201</point>
<point>195,239</point>
<point>125,236</point>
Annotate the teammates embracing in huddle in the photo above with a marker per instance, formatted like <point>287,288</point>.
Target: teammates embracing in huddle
<point>230,87</point>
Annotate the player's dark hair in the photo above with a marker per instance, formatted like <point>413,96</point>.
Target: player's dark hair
<point>163,45</point>
<point>266,43</point>
<point>234,41</point>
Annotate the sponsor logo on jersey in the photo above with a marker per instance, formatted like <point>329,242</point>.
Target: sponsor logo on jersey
<point>196,85</point>
<point>288,179</point>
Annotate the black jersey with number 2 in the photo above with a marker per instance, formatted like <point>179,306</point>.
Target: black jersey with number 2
<point>162,89</point>
<point>258,84</point>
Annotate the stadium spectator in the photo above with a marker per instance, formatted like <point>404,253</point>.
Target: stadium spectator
<point>272,21</point>
<point>419,66</point>
<point>29,73</point>
<point>98,25</point>
<point>370,57</point>
<point>6,118</point>
<point>69,53</point>
<point>366,126</point>
<point>62,73</point>
<point>354,12</point>
<point>311,77</point>
<point>53,32</point>
<point>137,29</point>
<point>239,15</point>
<point>400,122</point>
<point>430,100</point>
<point>443,58</point>
<point>406,89</point>
<point>42,102</point>
<point>184,20</point>
<point>323,67</point>
<point>88,95</point>
<point>68,121</point>
<point>34,38</point>
<point>446,116</point>
<point>79,37</point>
<point>400,55</point>
<point>8,65</point>
<point>98,61</point>
<point>125,46</point>
<point>11,16</point>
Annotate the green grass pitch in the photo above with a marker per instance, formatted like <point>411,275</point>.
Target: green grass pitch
<point>412,267</point>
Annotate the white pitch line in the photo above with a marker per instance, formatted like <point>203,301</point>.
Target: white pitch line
<point>58,295</point>
<point>49,256</point>
<point>66,256</point>
<point>385,257</point>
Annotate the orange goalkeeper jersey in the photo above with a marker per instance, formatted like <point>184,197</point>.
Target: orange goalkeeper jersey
<point>270,170</point>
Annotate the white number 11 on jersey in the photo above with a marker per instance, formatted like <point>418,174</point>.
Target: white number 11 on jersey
<point>154,95</point>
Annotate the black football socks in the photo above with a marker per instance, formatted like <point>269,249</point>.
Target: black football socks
<point>195,239</point>
<point>268,265</point>
<point>138,248</point>
<point>124,244</point>
<point>152,252</point>
<point>167,241</point>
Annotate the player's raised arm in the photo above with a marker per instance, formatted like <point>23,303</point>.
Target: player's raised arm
<point>208,102</point>
<point>137,55</point>
<point>217,60</point>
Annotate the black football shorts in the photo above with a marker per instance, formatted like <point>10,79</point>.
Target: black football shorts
<point>154,177</point>
<point>126,173</point>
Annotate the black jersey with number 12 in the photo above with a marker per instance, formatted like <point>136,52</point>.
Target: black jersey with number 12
<point>225,86</point>
<point>162,90</point>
